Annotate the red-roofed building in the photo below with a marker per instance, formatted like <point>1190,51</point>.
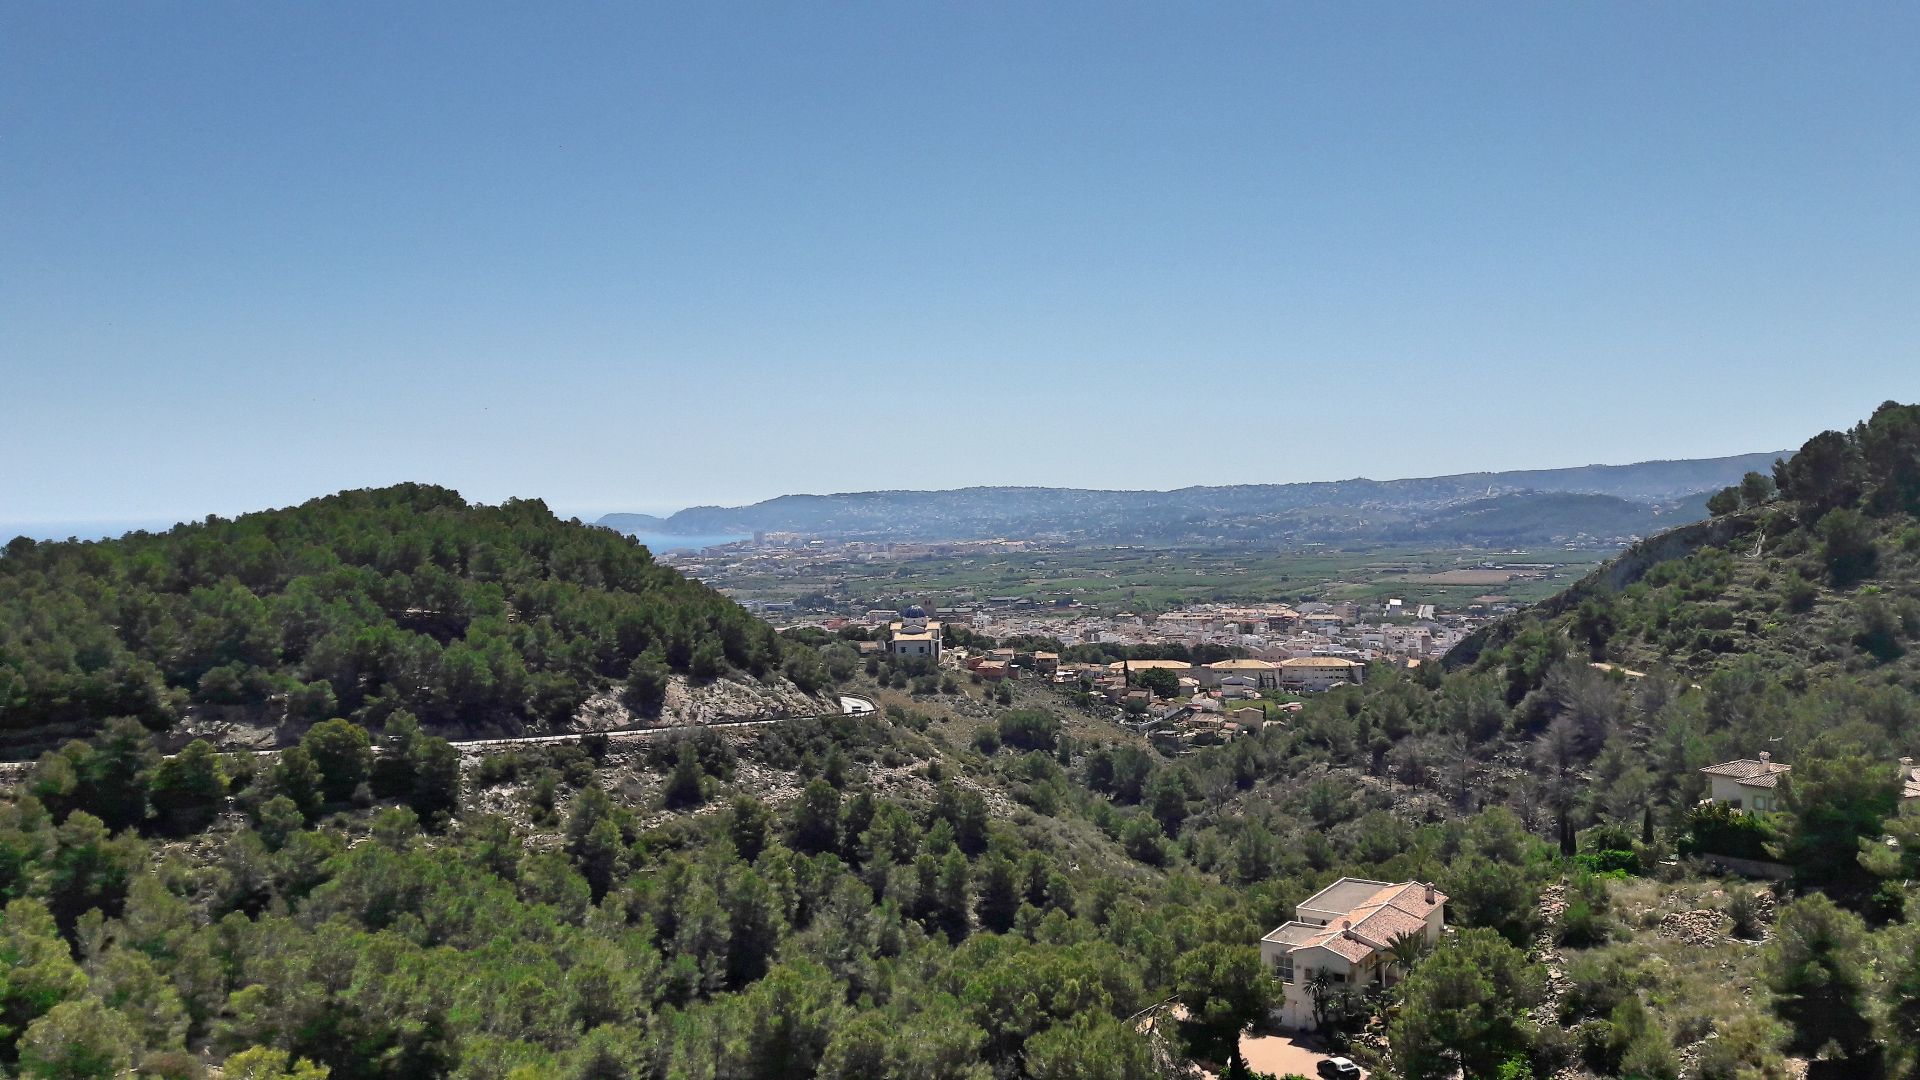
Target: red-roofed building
<point>1746,783</point>
<point>1347,931</point>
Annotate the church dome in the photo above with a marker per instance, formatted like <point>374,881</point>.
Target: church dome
<point>913,611</point>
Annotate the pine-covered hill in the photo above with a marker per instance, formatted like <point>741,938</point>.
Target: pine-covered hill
<point>1810,575</point>
<point>483,618</point>
<point>1788,623</point>
<point>944,890</point>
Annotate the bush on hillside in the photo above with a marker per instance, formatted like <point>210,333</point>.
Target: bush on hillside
<point>1719,829</point>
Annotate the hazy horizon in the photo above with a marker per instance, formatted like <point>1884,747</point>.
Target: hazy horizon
<point>112,526</point>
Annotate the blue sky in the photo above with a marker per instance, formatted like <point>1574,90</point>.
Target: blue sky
<point>637,257</point>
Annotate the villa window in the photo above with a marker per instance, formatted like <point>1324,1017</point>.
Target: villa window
<point>1286,968</point>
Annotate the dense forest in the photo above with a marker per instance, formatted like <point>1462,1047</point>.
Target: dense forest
<point>978,881</point>
<point>490,619</point>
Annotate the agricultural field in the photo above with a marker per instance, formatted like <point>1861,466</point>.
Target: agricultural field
<point>1147,580</point>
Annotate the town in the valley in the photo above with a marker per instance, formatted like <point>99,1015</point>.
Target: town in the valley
<point>1193,673</point>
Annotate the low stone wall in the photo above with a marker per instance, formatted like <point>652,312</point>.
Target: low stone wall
<point>1749,868</point>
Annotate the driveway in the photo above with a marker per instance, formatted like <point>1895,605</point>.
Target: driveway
<point>1280,1054</point>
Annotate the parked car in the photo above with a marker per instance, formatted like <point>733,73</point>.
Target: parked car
<point>1339,1069</point>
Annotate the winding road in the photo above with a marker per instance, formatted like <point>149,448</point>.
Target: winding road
<point>849,706</point>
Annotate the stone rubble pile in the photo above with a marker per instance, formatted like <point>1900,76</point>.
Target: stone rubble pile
<point>1702,927</point>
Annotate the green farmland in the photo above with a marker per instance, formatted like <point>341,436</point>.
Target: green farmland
<point>1114,579</point>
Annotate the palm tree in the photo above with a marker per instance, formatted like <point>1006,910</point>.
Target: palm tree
<point>1407,949</point>
<point>1320,989</point>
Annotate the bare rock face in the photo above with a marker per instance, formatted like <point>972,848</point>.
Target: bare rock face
<point>228,729</point>
<point>725,699</point>
<point>716,702</point>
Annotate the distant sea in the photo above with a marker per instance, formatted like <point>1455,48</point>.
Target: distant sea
<point>678,542</point>
<point>77,530</point>
<point>103,530</point>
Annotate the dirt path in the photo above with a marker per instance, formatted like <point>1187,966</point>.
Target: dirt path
<point>849,706</point>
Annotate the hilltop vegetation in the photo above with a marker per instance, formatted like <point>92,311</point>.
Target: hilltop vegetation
<point>361,604</point>
<point>1809,574</point>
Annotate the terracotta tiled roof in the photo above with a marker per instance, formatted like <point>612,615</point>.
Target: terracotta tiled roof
<point>1340,942</point>
<point>1377,917</point>
<point>1395,910</point>
<point>1383,924</point>
<point>1747,772</point>
<point>1411,897</point>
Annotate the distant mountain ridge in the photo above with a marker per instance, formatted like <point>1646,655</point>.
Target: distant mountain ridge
<point>1635,494</point>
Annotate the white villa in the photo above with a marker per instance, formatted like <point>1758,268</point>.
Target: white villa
<point>1746,783</point>
<point>914,635</point>
<point>1750,783</point>
<point>1347,930</point>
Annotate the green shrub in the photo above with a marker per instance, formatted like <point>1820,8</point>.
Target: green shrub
<point>1598,982</point>
<point>1585,921</point>
<point>1029,729</point>
<point>1614,861</point>
<point>1744,910</point>
<point>1799,593</point>
<point>1719,829</point>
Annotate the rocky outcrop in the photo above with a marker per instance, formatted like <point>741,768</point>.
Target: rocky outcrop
<point>716,702</point>
<point>1702,928</point>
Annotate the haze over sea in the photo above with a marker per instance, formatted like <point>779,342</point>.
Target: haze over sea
<point>660,542</point>
<point>77,530</point>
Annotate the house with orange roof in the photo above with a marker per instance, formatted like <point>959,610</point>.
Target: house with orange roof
<point>1346,932</point>
<point>1746,783</point>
